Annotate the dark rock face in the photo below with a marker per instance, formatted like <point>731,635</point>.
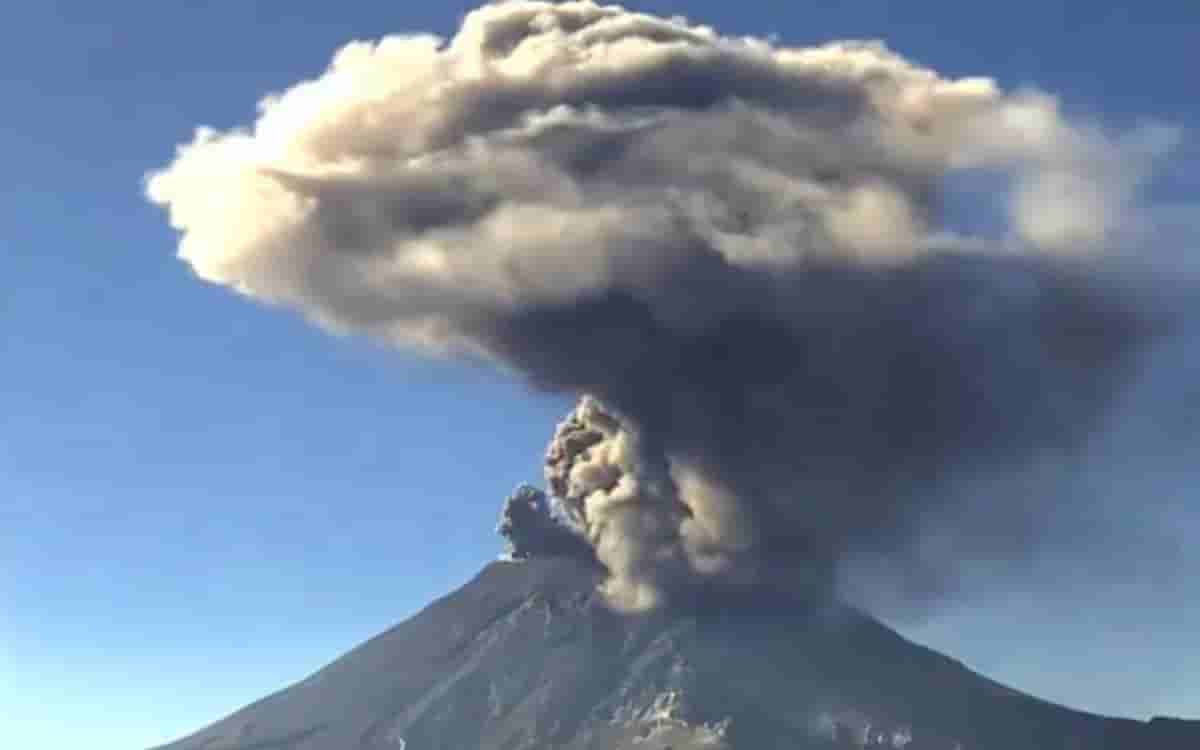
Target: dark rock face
<point>528,657</point>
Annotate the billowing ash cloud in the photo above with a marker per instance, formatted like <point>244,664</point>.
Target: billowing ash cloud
<point>744,254</point>
<point>533,528</point>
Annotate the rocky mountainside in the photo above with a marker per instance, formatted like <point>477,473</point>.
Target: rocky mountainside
<point>528,657</point>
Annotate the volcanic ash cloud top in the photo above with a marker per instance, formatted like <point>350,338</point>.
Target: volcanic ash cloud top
<point>740,249</point>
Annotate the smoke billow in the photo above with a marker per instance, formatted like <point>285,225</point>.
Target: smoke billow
<point>530,523</point>
<point>797,363</point>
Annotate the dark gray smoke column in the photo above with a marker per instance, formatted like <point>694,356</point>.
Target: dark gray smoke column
<point>738,248</point>
<point>833,415</point>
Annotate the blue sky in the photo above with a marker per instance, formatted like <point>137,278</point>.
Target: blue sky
<point>202,499</point>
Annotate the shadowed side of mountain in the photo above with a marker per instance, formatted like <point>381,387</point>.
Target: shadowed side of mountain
<point>527,656</point>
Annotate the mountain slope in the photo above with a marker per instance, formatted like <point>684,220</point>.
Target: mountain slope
<point>526,656</point>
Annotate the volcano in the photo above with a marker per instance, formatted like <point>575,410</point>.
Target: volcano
<point>529,656</point>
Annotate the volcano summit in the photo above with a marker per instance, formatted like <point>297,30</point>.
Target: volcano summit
<point>530,656</point>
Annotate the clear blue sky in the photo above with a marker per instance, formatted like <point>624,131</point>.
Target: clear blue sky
<point>202,500</point>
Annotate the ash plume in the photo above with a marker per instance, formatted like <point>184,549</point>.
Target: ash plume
<point>795,364</point>
<point>532,527</point>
